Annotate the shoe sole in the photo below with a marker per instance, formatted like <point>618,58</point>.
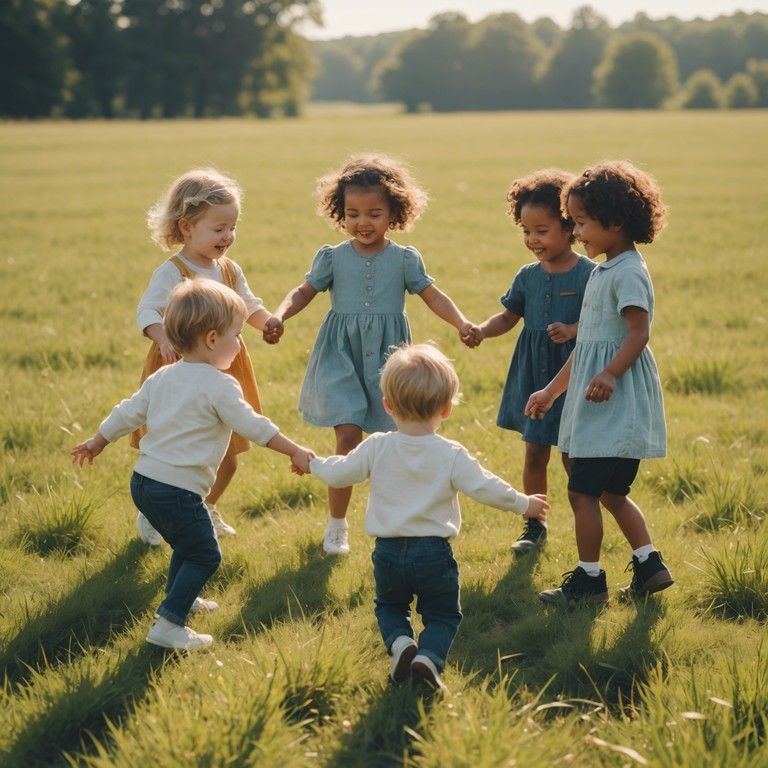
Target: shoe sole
<point>336,551</point>
<point>403,667</point>
<point>171,647</point>
<point>658,582</point>
<point>524,547</point>
<point>423,674</point>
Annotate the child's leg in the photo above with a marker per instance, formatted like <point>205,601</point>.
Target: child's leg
<point>588,522</point>
<point>336,538</point>
<point>535,468</point>
<point>629,519</point>
<point>224,476</point>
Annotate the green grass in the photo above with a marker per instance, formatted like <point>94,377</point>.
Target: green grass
<point>298,674</point>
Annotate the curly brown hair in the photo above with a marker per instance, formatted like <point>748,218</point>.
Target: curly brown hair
<point>542,188</point>
<point>617,192</point>
<point>407,200</point>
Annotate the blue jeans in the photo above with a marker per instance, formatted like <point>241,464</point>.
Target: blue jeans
<point>183,521</point>
<point>424,567</point>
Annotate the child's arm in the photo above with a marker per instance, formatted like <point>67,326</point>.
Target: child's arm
<point>540,402</point>
<point>299,455</point>
<point>442,305</point>
<point>602,386</point>
<point>258,319</point>
<point>562,332</point>
<point>498,325</point>
<point>89,450</point>
<point>291,305</point>
<point>156,332</point>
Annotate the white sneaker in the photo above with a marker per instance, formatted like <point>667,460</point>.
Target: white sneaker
<point>403,649</point>
<point>203,606</point>
<point>336,541</point>
<point>147,533</point>
<point>424,670</point>
<point>177,638</point>
<point>222,528</point>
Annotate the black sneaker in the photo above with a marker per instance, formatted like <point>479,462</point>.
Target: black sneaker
<point>534,535</point>
<point>578,587</point>
<point>648,577</point>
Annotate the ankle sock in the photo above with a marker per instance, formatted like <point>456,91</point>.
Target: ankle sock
<point>592,569</point>
<point>337,522</point>
<point>641,553</point>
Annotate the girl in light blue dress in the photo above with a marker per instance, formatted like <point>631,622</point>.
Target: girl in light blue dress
<point>613,414</point>
<point>367,277</point>
<point>547,295</point>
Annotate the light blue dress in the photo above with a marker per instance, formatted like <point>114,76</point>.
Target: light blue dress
<point>367,317</point>
<point>631,424</point>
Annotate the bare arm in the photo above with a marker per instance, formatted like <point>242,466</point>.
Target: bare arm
<point>300,456</point>
<point>291,305</point>
<point>442,305</point>
<point>498,325</point>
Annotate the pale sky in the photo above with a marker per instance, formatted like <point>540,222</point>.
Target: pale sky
<point>360,17</point>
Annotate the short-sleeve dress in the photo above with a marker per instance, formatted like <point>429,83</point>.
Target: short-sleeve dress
<point>631,424</point>
<point>367,317</point>
<point>540,298</point>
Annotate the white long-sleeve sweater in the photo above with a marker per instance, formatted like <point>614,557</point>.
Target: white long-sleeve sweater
<point>415,481</point>
<point>190,410</point>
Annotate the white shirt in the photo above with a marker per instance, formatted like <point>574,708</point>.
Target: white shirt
<point>155,299</point>
<point>190,410</point>
<point>415,482</point>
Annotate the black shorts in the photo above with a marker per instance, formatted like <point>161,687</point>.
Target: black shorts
<point>593,477</point>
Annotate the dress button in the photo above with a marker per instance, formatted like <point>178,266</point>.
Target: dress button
<point>368,354</point>
<point>367,263</point>
<point>369,277</point>
<point>546,295</point>
<point>367,304</point>
<point>368,288</point>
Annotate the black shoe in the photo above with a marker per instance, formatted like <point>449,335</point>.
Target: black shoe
<point>534,535</point>
<point>578,587</point>
<point>648,577</point>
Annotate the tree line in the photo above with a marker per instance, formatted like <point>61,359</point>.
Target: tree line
<point>502,62</point>
<point>207,58</point>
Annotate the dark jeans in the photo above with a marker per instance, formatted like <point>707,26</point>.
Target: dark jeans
<point>424,567</point>
<point>183,521</point>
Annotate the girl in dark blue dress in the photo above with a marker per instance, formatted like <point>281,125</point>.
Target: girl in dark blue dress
<point>547,294</point>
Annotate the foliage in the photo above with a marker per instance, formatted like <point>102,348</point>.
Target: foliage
<point>702,91</point>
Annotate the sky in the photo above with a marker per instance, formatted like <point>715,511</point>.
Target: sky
<point>359,18</point>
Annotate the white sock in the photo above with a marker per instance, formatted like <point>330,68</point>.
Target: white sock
<point>641,553</point>
<point>592,569</point>
<point>337,522</point>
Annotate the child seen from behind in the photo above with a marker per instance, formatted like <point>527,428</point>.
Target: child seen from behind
<point>367,277</point>
<point>190,409</point>
<point>613,414</point>
<point>413,508</point>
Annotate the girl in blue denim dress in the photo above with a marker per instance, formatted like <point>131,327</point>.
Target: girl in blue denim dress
<point>547,295</point>
<point>367,277</point>
<point>613,414</point>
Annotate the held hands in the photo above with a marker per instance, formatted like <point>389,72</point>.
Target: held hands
<point>600,389</point>
<point>537,507</point>
<point>88,450</point>
<point>300,460</point>
<point>561,332</point>
<point>273,330</point>
<point>538,404</point>
<point>470,334</point>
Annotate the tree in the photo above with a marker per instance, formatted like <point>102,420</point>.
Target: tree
<point>639,72</point>
<point>702,91</point>
<point>741,92</point>
<point>758,71</point>
<point>569,76</point>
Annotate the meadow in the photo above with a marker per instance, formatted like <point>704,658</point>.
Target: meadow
<point>298,675</point>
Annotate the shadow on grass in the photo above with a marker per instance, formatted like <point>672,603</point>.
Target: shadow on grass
<point>380,737</point>
<point>100,605</point>
<point>80,715</point>
<point>302,588</point>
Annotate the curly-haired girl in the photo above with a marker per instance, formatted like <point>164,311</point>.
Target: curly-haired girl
<point>613,414</point>
<point>367,277</point>
<point>547,295</point>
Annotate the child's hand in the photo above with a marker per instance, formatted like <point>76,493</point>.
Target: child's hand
<point>473,338</point>
<point>537,507</point>
<point>601,387</point>
<point>89,450</point>
<point>300,461</point>
<point>538,404</point>
<point>561,332</point>
<point>273,330</point>
<point>168,353</point>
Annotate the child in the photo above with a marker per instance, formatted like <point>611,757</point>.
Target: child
<point>190,409</point>
<point>198,212</point>
<point>614,413</point>
<point>367,276</point>
<point>413,508</point>
<point>547,294</point>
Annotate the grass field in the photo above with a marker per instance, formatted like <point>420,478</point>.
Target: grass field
<point>298,675</point>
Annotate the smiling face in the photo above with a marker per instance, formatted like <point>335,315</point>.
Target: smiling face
<point>594,237</point>
<point>367,218</point>
<point>210,235</point>
<point>546,237</point>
